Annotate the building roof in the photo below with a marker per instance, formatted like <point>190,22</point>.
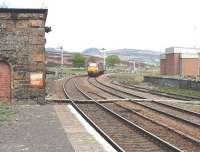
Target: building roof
<point>189,56</point>
<point>22,10</point>
<point>181,50</point>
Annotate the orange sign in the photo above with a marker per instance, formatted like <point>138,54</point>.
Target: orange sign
<point>36,79</point>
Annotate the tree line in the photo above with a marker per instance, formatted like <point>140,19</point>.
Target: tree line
<point>79,60</point>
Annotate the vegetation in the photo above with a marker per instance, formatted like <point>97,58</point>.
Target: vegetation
<point>151,73</point>
<point>112,60</point>
<point>178,91</point>
<point>134,79</point>
<point>128,79</point>
<point>78,60</point>
<point>61,72</point>
<point>5,113</point>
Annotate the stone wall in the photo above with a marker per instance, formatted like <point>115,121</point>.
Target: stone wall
<point>172,82</point>
<point>22,46</point>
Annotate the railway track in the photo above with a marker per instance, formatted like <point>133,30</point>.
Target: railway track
<point>160,93</point>
<point>176,123</point>
<point>71,91</point>
<point>161,130</point>
<point>183,98</point>
<point>124,135</point>
<point>189,117</point>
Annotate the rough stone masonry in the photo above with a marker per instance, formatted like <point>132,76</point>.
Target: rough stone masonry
<point>22,47</point>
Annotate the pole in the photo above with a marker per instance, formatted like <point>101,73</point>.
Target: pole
<point>133,66</point>
<point>104,59</point>
<point>199,65</point>
<point>61,55</point>
<point>61,65</point>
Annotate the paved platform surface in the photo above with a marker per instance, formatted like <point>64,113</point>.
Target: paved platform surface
<point>34,129</point>
<point>78,134</point>
<point>47,128</point>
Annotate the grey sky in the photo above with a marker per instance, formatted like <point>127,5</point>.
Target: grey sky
<point>113,24</point>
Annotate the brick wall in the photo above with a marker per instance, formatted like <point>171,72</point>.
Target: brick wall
<point>189,67</point>
<point>172,64</point>
<point>22,45</point>
<point>163,66</point>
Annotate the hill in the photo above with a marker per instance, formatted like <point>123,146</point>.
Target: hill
<point>142,56</point>
<point>53,57</point>
<point>92,51</point>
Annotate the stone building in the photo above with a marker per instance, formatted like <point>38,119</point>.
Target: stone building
<point>180,61</point>
<point>22,54</point>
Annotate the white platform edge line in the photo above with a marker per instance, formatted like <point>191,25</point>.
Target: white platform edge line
<point>92,131</point>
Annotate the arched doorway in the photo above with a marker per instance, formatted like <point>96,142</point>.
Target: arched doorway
<point>5,82</point>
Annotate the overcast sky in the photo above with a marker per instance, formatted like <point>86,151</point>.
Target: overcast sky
<point>115,24</point>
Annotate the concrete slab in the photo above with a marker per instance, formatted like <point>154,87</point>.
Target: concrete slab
<point>34,129</point>
<point>50,128</point>
<point>82,136</point>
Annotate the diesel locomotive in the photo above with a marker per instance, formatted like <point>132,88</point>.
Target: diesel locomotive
<point>95,69</point>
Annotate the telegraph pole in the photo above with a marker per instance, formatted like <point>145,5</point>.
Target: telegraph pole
<point>61,64</point>
<point>61,48</point>
<point>61,60</point>
<point>104,57</point>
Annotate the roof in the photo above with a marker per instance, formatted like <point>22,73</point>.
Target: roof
<point>189,56</point>
<point>22,10</point>
<point>181,50</point>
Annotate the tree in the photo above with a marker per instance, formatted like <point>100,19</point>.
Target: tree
<point>78,60</point>
<point>112,60</point>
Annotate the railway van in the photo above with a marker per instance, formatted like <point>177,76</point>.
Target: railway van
<point>95,69</point>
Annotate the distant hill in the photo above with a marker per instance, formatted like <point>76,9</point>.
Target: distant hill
<point>92,51</point>
<point>54,50</point>
<point>142,56</point>
<point>53,58</point>
<point>49,49</point>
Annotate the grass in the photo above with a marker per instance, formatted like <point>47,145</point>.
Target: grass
<point>178,91</point>
<point>136,79</point>
<point>129,79</point>
<point>74,71</point>
<point>6,112</point>
<point>65,72</point>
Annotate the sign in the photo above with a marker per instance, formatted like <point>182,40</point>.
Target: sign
<point>36,79</point>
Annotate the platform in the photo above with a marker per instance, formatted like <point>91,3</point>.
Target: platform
<point>49,128</point>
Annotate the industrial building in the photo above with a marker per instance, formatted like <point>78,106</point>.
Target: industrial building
<point>180,61</point>
<point>22,54</point>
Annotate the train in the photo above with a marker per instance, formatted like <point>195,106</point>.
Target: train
<point>95,69</point>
